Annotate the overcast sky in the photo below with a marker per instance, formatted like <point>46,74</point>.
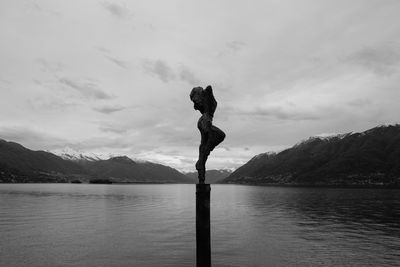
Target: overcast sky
<point>114,77</point>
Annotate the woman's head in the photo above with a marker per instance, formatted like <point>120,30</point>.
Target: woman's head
<point>197,96</point>
<point>204,100</point>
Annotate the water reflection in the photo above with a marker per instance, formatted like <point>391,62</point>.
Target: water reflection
<point>153,225</point>
<point>319,226</point>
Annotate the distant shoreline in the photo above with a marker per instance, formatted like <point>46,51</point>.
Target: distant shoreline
<point>85,183</point>
<point>244,184</point>
<point>319,185</point>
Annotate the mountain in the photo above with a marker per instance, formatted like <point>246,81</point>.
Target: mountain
<point>74,155</point>
<point>212,176</point>
<point>124,169</point>
<point>370,158</point>
<point>19,164</point>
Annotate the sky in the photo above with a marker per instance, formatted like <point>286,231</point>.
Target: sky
<point>114,77</point>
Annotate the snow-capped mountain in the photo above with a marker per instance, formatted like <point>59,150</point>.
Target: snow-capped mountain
<point>68,153</point>
<point>369,158</point>
<point>19,164</point>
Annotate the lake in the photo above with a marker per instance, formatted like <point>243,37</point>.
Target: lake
<point>154,225</point>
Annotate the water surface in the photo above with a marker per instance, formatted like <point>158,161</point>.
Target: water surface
<point>154,225</point>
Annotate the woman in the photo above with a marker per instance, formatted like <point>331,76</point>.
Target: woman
<point>211,136</point>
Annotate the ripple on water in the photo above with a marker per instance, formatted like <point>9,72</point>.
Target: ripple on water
<point>154,225</point>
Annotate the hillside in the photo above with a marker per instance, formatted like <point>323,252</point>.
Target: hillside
<point>124,169</point>
<point>370,158</point>
<point>21,165</point>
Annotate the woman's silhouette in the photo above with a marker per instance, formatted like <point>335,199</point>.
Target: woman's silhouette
<point>211,136</point>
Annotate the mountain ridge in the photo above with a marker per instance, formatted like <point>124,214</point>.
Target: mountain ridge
<point>19,164</point>
<point>369,158</point>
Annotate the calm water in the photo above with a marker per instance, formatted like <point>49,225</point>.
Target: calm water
<point>154,225</point>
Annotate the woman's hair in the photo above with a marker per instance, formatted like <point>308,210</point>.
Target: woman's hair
<point>207,98</point>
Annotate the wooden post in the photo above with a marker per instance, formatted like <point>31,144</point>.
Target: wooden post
<point>203,236</point>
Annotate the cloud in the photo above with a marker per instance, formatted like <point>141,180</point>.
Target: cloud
<point>40,140</point>
<point>98,143</point>
<point>231,48</point>
<point>361,102</point>
<point>87,89</point>
<point>235,45</point>
<point>49,103</point>
<point>112,129</point>
<point>188,76</point>
<point>109,109</point>
<point>166,73</point>
<point>4,81</point>
<point>39,8</point>
<point>117,10</point>
<point>107,54</point>
<point>34,6</point>
<point>323,57</point>
<point>382,59</point>
<point>31,138</point>
<point>120,63</point>
<point>50,66</point>
<point>102,49</point>
<point>277,112</point>
<point>160,69</point>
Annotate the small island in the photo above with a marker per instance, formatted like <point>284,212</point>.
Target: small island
<point>100,181</point>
